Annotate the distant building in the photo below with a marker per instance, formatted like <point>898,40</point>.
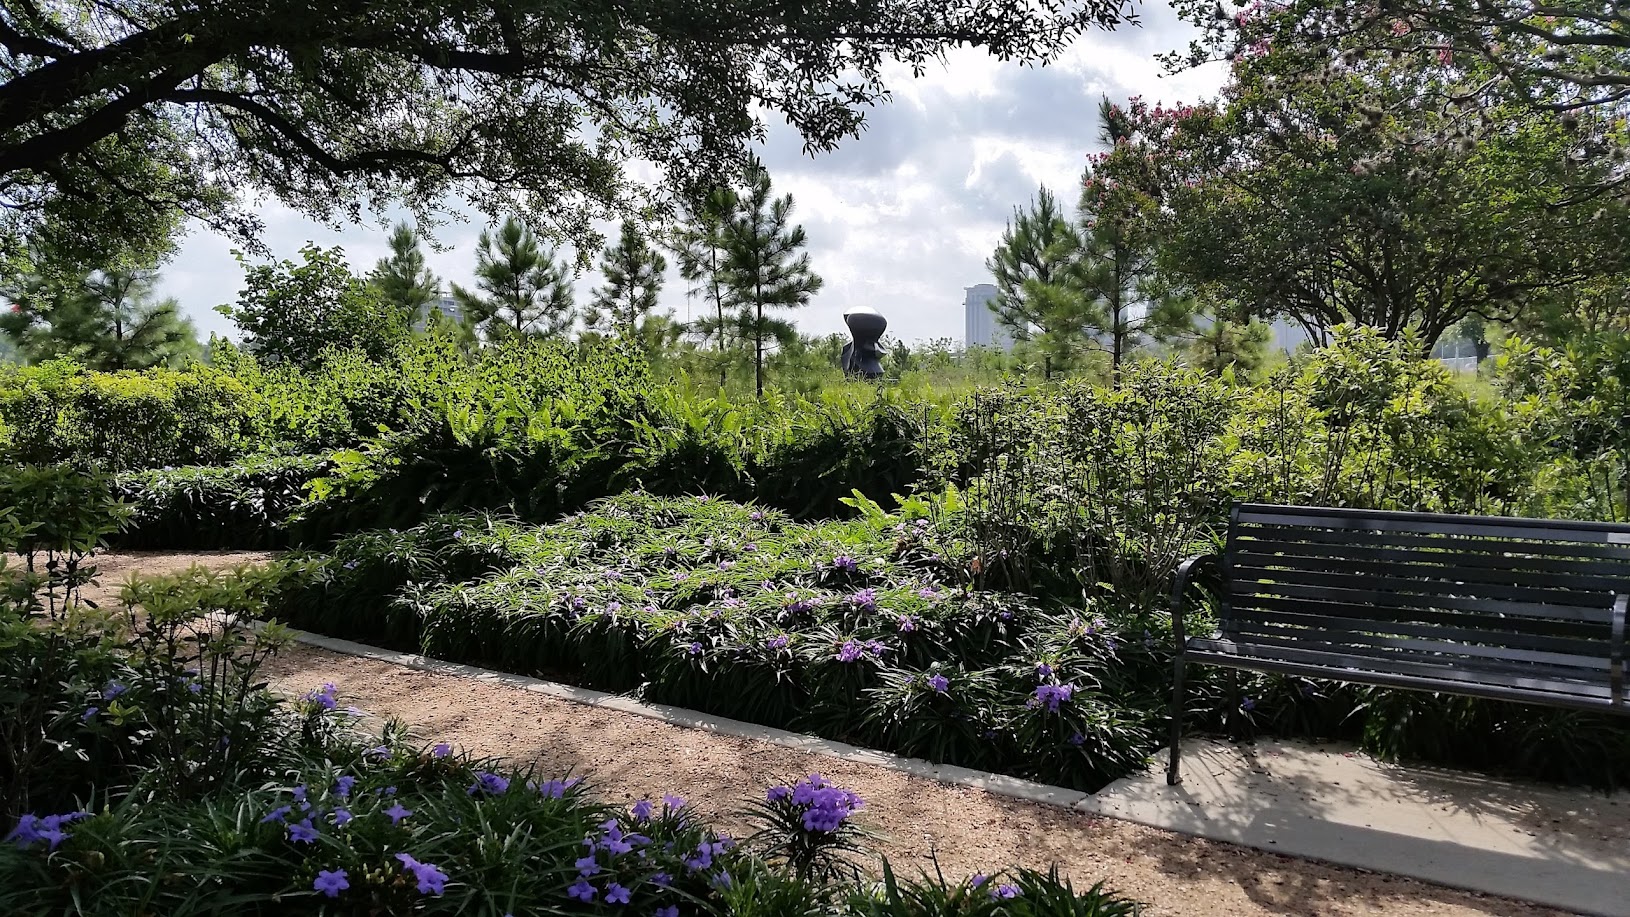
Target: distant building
<point>980,328</point>
<point>446,304</point>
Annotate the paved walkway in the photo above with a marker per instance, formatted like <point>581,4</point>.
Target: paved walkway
<point>1563,847</point>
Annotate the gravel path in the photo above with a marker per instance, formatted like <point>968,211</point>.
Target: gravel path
<point>626,757</point>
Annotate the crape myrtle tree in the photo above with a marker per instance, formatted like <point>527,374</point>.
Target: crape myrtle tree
<point>108,319</point>
<point>522,289</point>
<point>633,273</point>
<point>1332,192</point>
<point>765,267</point>
<point>117,115</point>
<point>1567,58</point>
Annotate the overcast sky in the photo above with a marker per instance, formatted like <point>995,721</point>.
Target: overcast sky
<point>901,218</point>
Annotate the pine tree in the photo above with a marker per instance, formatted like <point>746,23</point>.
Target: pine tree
<point>1119,252</point>
<point>700,244</point>
<point>1041,288</point>
<point>633,271</point>
<point>403,279</point>
<point>764,268</point>
<point>106,319</point>
<point>521,289</point>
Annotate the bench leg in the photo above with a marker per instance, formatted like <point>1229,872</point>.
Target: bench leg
<point>1173,778</point>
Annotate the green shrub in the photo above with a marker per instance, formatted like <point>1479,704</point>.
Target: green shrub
<point>59,411</point>
<point>246,505</point>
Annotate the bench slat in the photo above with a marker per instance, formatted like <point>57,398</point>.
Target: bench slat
<point>1385,648</point>
<point>1382,617</point>
<point>1408,539</point>
<point>1427,567</point>
<point>1252,581</point>
<point>1436,523</point>
<point>1351,667</point>
<point>1447,552</point>
<point>1600,648</point>
<point>1461,603</point>
<point>1545,696</point>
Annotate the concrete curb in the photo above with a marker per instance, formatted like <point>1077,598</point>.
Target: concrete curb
<point>998,784</point>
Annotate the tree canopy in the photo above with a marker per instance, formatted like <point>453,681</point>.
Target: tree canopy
<point>117,115</point>
<point>1342,194</point>
<point>291,313</point>
<point>108,320</point>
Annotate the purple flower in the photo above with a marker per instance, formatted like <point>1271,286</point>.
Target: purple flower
<point>700,860</point>
<point>939,683</point>
<point>89,712</point>
<point>458,533</point>
<point>662,880</point>
<point>301,832</point>
<point>1044,670</point>
<point>324,698</point>
<point>31,829</point>
<point>778,642</point>
<point>587,866</point>
<point>113,689</point>
<point>750,547</point>
<point>673,803</point>
<point>722,880</point>
<point>342,817</point>
<point>843,563</point>
<point>671,910</point>
<point>581,890</point>
<point>441,750</point>
<point>1005,891</point>
<point>825,806</point>
<point>432,881</point>
<point>1052,695</point>
<point>865,600</point>
<point>616,894</point>
<point>554,789</point>
<point>777,793</point>
<point>331,882</point>
<point>343,785</point>
<point>195,688</point>
<point>378,751</point>
<point>491,784</point>
<point>695,649</point>
<point>1076,739</point>
<point>756,516</point>
<point>641,810</point>
<point>908,624</point>
<point>278,814</point>
<point>726,564</point>
<point>928,592</point>
<point>849,652</point>
<point>397,813</point>
<point>1248,705</point>
<point>980,879</point>
<point>388,791</point>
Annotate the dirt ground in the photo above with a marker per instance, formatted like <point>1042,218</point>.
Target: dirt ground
<point>626,757</point>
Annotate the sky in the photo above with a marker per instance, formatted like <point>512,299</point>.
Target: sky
<point>900,219</point>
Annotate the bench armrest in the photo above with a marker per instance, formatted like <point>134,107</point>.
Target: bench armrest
<point>1616,661</point>
<point>1186,573</point>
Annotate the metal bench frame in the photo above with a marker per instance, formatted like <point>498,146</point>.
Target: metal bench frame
<point>1432,632</point>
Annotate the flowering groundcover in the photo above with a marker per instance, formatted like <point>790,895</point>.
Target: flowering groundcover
<point>862,631</point>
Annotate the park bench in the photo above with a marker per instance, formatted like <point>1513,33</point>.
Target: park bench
<point>1529,610</point>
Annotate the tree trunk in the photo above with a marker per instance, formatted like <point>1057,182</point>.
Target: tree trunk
<point>758,346</point>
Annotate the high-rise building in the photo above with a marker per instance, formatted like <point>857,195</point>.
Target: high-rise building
<point>444,303</point>
<point>980,328</point>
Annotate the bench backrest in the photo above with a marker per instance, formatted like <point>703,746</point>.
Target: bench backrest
<point>1536,600</point>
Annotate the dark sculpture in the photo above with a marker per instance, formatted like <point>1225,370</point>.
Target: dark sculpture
<point>861,356</point>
